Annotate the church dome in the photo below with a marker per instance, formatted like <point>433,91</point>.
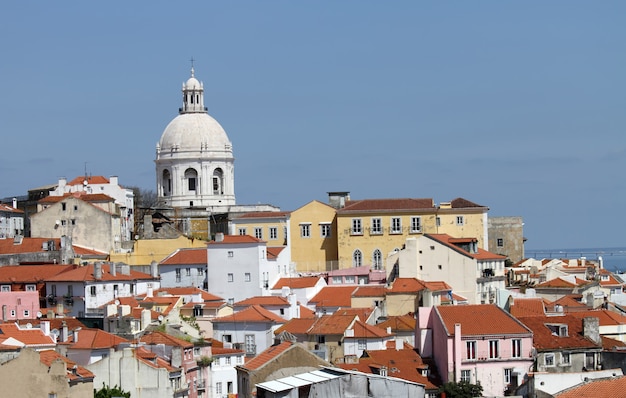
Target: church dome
<point>193,132</point>
<point>192,83</point>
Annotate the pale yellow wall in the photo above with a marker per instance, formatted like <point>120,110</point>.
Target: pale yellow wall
<point>367,242</point>
<point>364,302</point>
<point>147,250</point>
<point>474,224</point>
<point>401,304</point>
<point>265,224</point>
<point>313,253</point>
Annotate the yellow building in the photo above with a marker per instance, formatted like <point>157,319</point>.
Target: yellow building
<point>145,251</point>
<point>269,226</point>
<point>313,237</point>
<point>369,230</point>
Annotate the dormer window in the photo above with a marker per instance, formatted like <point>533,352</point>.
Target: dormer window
<point>558,329</point>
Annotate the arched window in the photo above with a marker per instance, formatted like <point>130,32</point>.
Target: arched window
<point>377,259</point>
<point>357,258</point>
<point>167,183</point>
<point>218,182</point>
<point>192,177</point>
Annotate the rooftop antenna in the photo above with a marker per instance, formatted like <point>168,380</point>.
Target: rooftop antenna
<point>85,181</point>
<point>192,60</point>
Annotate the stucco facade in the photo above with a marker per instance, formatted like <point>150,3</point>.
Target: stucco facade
<point>313,237</point>
<point>506,237</point>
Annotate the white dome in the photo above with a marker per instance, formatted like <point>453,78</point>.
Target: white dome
<point>192,132</point>
<point>192,83</point>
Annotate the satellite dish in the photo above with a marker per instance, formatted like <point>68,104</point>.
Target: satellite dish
<point>55,332</point>
<point>39,314</point>
<point>160,318</point>
<point>29,325</point>
<point>117,302</point>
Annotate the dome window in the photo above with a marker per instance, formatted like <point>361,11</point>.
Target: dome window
<point>191,176</point>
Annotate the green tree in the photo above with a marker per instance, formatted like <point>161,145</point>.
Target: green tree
<point>462,389</point>
<point>107,392</point>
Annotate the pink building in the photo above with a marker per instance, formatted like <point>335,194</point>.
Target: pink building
<point>476,343</point>
<point>19,305</point>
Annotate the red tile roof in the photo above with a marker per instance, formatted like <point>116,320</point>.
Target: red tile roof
<point>369,291</point>
<point>545,339</point>
<point>362,313</point>
<point>9,209</point>
<point>95,339</point>
<point>364,331</point>
<point>528,307</point>
<point>605,388</point>
<point>265,214</point>
<point>273,252</point>
<point>479,319</point>
<point>236,239</point>
<point>333,296</point>
<point>296,326</point>
<point>74,371</point>
<point>165,339</point>
<point>398,204</point>
<point>188,291</point>
<point>331,324</point>
<point>460,203</point>
<point>405,285</point>
<point>186,257</point>
<point>90,180</point>
<point>263,301</point>
<point>254,313</point>
<point>268,355</point>
<point>306,312</point>
<point>606,317</point>
<point>85,197</point>
<point>30,337</point>
<point>297,283</point>
<point>35,245</point>
<point>31,273</point>
<point>85,273</point>
<point>221,351</point>
<point>402,323</point>
<point>481,254</point>
<point>560,282</point>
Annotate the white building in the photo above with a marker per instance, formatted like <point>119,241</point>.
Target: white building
<point>124,198</point>
<point>184,268</point>
<point>473,273</point>
<point>223,373</point>
<point>85,290</point>
<point>238,268</point>
<point>11,221</point>
<point>194,157</point>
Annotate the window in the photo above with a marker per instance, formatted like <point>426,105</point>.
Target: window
<point>187,271</point>
<point>325,230</point>
<point>191,175</point>
<point>200,271</point>
<point>12,313</point>
<point>507,375</point>
<point>231,278</point>
<point>273,233</point>
<point>565,359</point>
<point>242,231</point>
<point>438,221</point>
<point>31,288</point>
<point>92,291</point>
<point>321,339</point>
<point>466,375</point>
<point>231,300</point>
<point>470,348</point>
<point>250,344</point>
<point>258,232</point>
<point>460,221</point>
<point>350,279</point>
<point>493,349</point>
<point>63,206</point>
<point>63,222</point>
<point>377,259</point>
<point>516,348</point>
<point>247,277</point>
<point>227,361</point>
<point>231,253</point>
<point>500,242</point>
<point>305,230</point>
<point>357,258</point>
<point>377,226</point>
<point>5,288</point>
<point>26,313</point>
<point>356,227</point>
<point>396,225</point>
<point>362,344</point>
<point>548,359</point>
<point>218,387</point>
<point>218,177</point>
<point>177,274</point>
<point>416,224</point>
<point>337,280</point>
<point>227,338</point>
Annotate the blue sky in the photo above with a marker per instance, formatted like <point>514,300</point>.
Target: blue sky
<point>518,106</point>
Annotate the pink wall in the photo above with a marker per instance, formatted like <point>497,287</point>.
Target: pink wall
<point>24,305</point>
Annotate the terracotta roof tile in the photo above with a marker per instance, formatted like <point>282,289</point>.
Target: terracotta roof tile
<point>32,245</point>
<point>296,326</point>
<point>362,313</point>
<point>402,323</point>
<point>560,282</point>
<point>528,307</point>
<point>254,313</point>
<point>186,257</point>
<point>273,252</point>
<point>9,209</point>
<point>545,339</point>
<point>297,283</point>
<point>333,296</point>
<point>94,339</point>
<point>331,324</point>
<point>398,204</point>
<point>236,239</point>
<point>85,197</point>
<point>265,214</point>
<point>268,355</point>
<point>74,371</point>
<point>263,301</point>
<point>165,339</point>
<point>365,331</point>
<point>30,337</point>
<point>221,351</point>
<point>30,273</point>
<point>606,388</point>
<point>479,319</point>
<point>606,317</point>
<point>85,273</point>
<point>369,291</point>
<point>90,180</point>
<point>460,203</point>
<point>305,312</point>
<point>188,291</point>
<point>406,285</point>
<point>481,254</point>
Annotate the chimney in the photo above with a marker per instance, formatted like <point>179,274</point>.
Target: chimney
<point>150,292</point>
<point>154,269</point>
<point>76,335</point>
<point>399,344</point>
<point>64,332</point>
<point>113,270</point>
<point>62,184</point>
<point>113,180</point>
<point>97,270</point>
<point>591,329</point>
<point>219,237</point>
<point>15,203</point>
<point>45,327</point>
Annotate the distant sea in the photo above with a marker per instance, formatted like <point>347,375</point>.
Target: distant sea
<point>613,258</point>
